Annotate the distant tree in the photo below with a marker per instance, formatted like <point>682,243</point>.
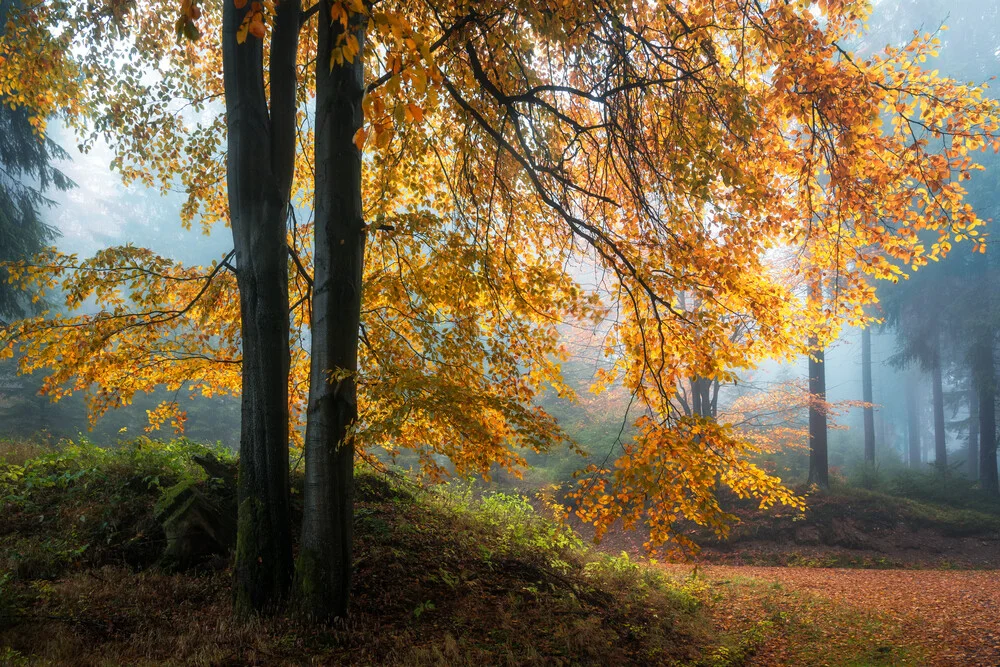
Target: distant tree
<point>913,425</point>
<point>867,393</point>
<point>984,373</point>
<point>953,316</point>
<point>819,465</point>
<point>972,454</point>
<point>26,172</point>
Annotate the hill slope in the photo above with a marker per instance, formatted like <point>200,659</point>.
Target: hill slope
<point>443,578</point>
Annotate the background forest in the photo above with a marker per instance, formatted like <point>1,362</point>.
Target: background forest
<point>297,298</point>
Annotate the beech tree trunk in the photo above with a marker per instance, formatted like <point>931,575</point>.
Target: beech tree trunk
<point>819,466</point>
<point>972,457</point>
<point>866,383</point>
<point>940,448</point>
<point>323,570</point>
<point>260,163</point>
<point>913,422</point>
<point>986,385</point>
<point>704,397</point>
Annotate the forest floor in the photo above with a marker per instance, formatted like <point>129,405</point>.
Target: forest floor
<point>453,577</point>
<point>826,616</point>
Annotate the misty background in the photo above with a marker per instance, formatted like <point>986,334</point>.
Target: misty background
<point>102,212</point>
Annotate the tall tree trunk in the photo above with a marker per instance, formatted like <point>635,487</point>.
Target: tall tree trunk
<point>986,385</point>
<point>695,397</point>
<point>819,466</point>
<point>324,567</point>
<point>704,396</point>
<point>5,7</point>
<point>913,425</point>
<point>260,162</point>
<point>972,456</point>
<point>866,383</point>
<point>940,449</point>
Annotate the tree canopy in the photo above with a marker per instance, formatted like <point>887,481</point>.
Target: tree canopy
<point>728,153</point>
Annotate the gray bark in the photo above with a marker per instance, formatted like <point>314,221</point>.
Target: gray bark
<point>913,424</point>
<point>260,163</point>
<point>986,385</point>
<point>323,571</point>
<point>940,449</point>
<point>819,466</point>
<point>972,456</point>
<point>866,382</point>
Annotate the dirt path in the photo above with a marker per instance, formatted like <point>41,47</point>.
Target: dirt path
<point>954,615</point>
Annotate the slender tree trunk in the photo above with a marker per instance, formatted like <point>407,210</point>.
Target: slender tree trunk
<point>972,457</point>
<point>866,382</point>
<point>260,163</point>
<point>324,567</point>
<point>986,385</point>
<point>940,449</point>
<point>913,426</point>
<point>819,467</point>
<point>5,7</point>
<point>703,401</point>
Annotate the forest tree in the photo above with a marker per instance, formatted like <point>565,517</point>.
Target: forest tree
<point>678,149</point>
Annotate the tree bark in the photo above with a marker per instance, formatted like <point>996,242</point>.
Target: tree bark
<point>940,448</point>
<point>986,385</point>
<point>260,162</point>
<point>913,423</point>
<point>819,467</point>
<point>866,382</point>
<point>972,455</point>
<point>323,570</point>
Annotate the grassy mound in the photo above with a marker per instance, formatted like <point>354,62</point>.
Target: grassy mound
<point>854,527</point>
<point>442,578</point>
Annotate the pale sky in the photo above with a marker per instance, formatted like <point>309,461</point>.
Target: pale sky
<point>101,211</point>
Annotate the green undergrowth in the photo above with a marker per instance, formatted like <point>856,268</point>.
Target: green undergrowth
<point>949,519</point>
<point>76,505</point>
<point>949,488</point>
<point>447,576</point>
<point>443,577</point>
<point>856,518</point>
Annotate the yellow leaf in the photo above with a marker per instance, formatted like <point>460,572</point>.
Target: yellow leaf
<point>241,32</point>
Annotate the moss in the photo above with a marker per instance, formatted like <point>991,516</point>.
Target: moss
<point>309,586</point>
<point>173,498</point>
<point>262,577</point>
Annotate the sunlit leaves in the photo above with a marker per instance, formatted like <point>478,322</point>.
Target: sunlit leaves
<point>671,175</point>
<point>253,21</point>
<point>186,26</point>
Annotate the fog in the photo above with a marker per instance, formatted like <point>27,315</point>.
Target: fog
<point>950,300</point>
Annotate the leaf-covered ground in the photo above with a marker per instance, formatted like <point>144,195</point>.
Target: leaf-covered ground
<point>818,616</point>
<point>443,578</point>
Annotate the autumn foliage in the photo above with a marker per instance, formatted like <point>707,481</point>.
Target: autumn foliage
<point>682,150</point>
